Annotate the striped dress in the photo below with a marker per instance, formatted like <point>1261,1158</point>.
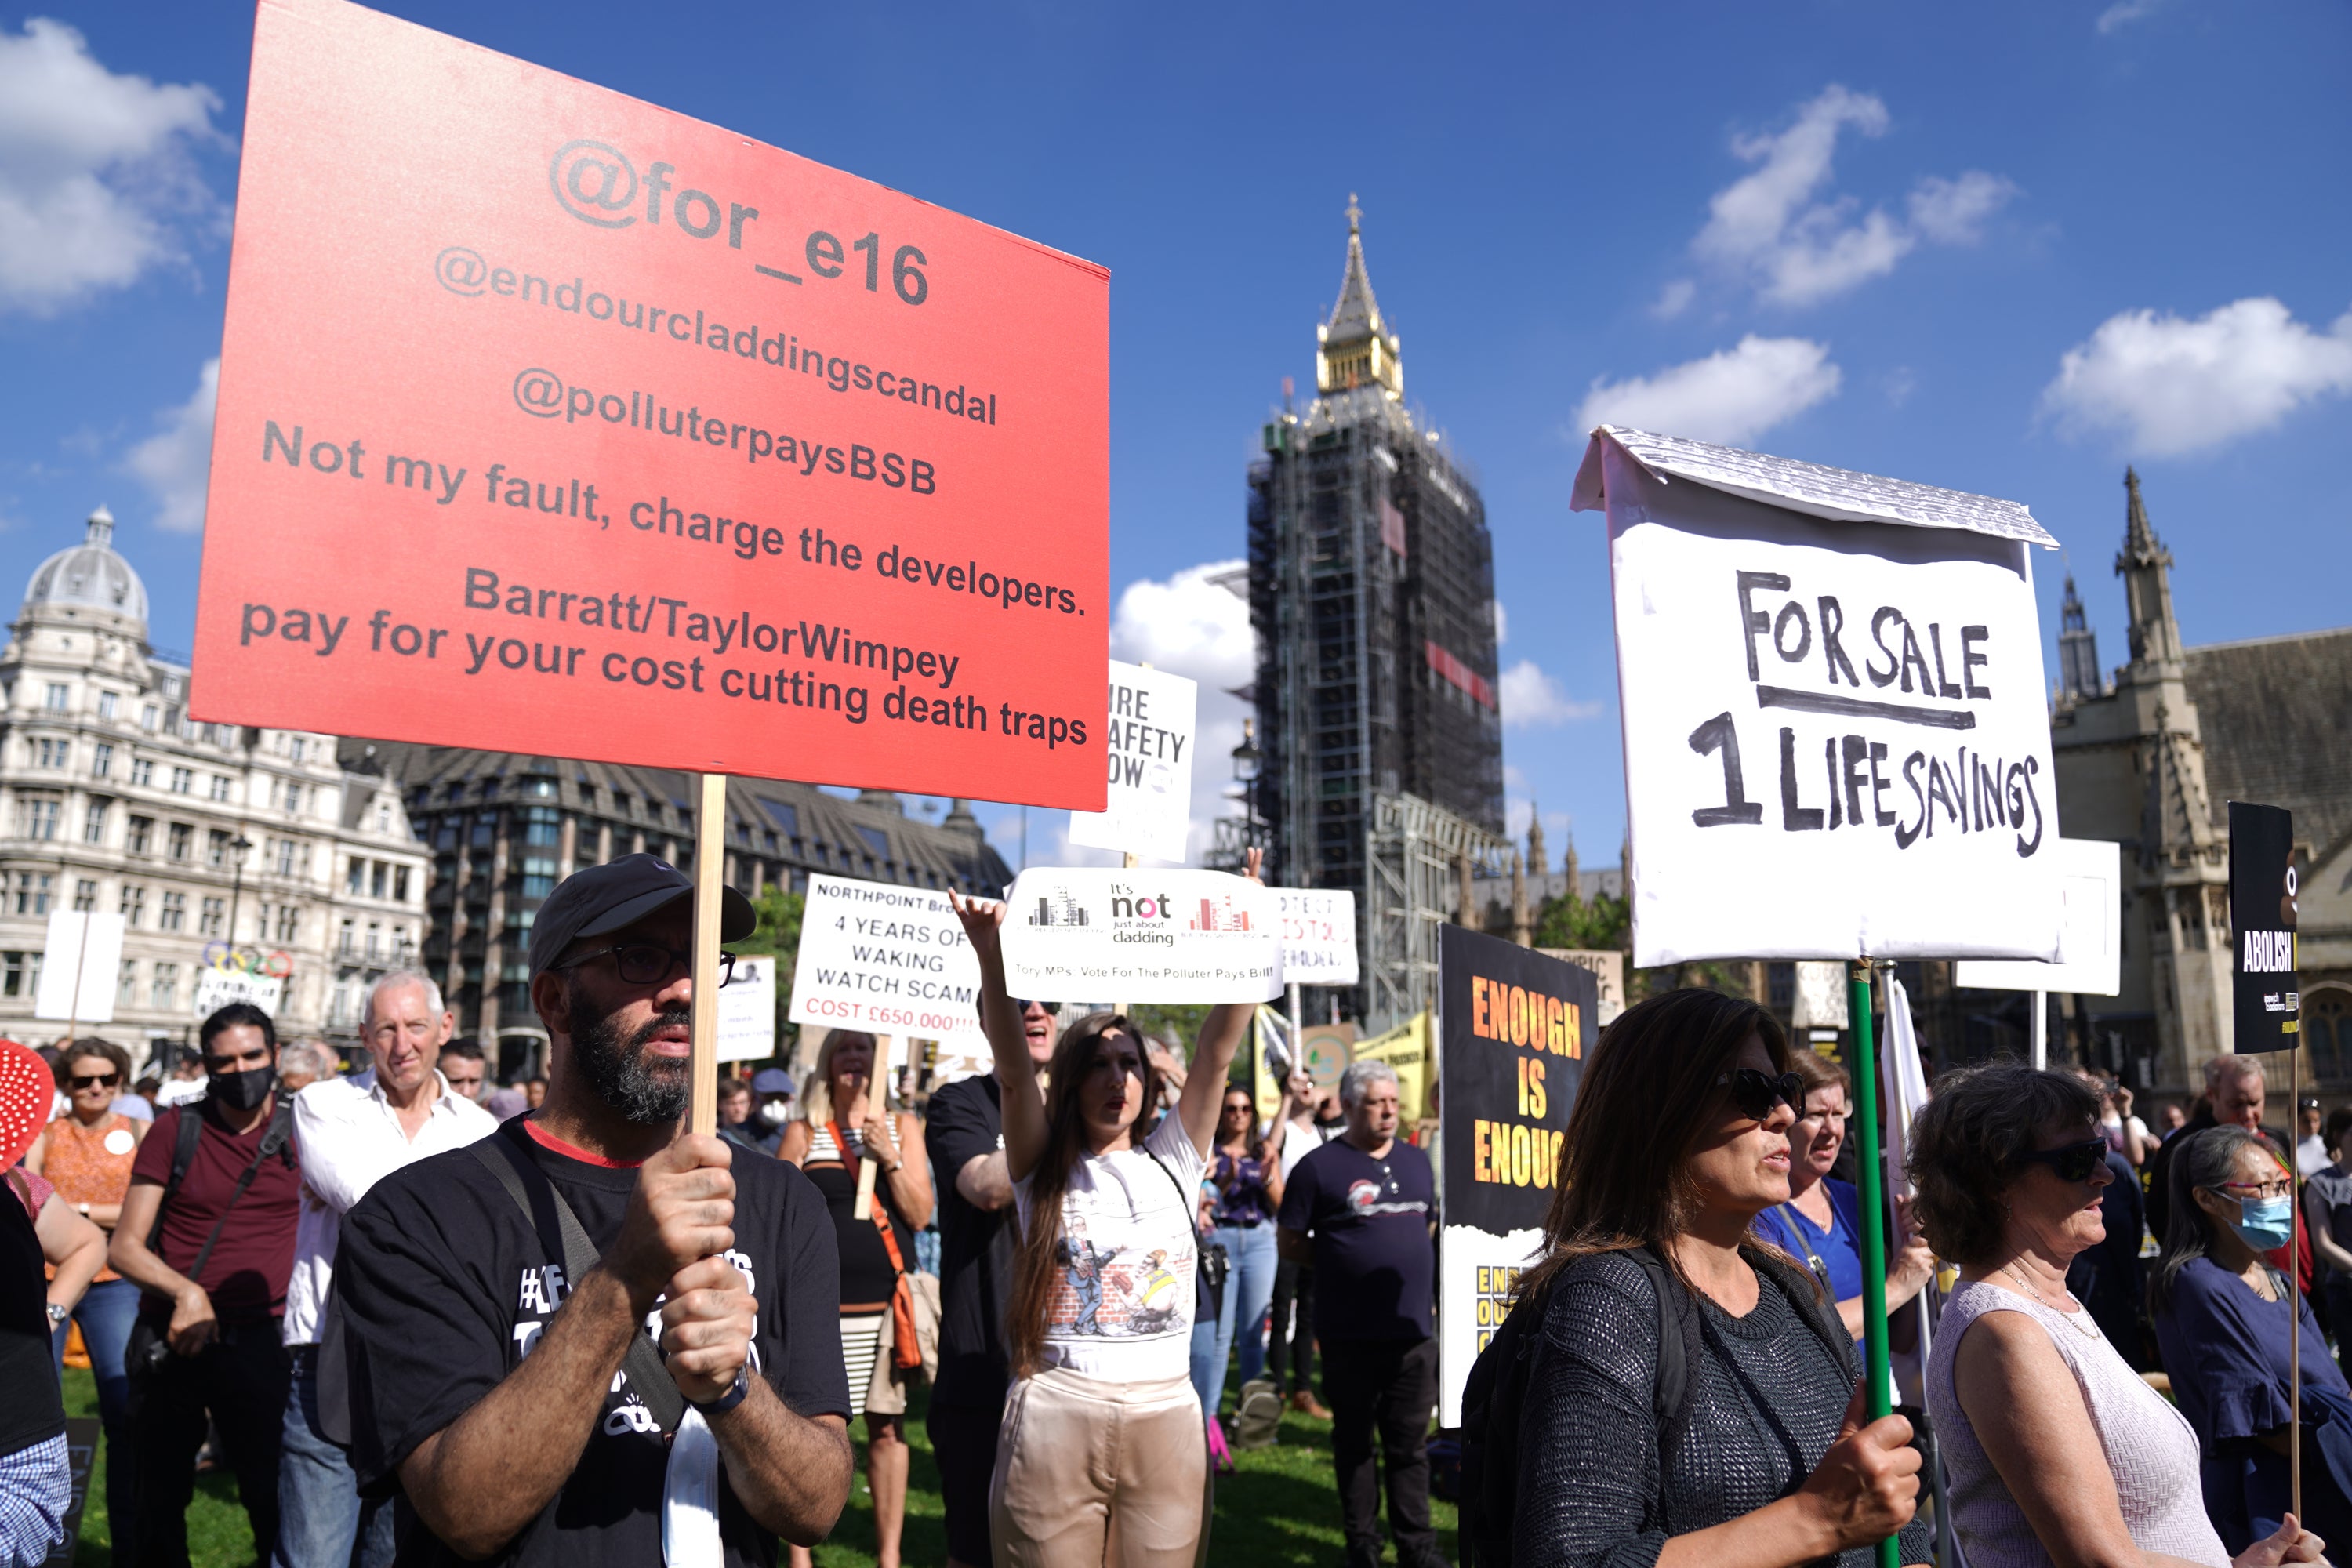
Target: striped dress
<point>867,1280</point>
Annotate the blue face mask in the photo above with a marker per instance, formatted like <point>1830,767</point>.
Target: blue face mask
<point>2266,1224</point>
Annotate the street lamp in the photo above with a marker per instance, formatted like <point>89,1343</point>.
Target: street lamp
<point>1247,761</point>
<point>239,849</point>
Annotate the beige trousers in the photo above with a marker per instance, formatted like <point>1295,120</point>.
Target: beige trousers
<point>1091,1474</point>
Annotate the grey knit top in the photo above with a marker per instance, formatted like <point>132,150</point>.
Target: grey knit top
<point>1766,1398</point>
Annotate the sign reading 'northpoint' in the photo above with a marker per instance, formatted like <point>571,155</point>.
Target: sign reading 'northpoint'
<point>552,421</point>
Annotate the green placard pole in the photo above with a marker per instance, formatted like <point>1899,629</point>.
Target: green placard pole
<point>1870,1184</point>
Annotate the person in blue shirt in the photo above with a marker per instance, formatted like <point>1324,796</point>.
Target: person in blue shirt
<point>1821,1224</point>
<point>2222,1317</point>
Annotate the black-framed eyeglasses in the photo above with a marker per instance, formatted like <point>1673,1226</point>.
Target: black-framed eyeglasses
<point>95,1080</point>
<point>2072,1162</point>
<point>1754,1092</point>
<point>648,962</point>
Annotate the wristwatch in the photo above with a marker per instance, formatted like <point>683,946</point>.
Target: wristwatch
<point>57,1315</point>
<point>734,1395</point>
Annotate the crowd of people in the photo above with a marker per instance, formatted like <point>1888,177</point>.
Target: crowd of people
<point>421,1319</point>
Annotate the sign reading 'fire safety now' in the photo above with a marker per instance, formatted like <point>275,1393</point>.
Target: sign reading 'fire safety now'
<point>552,421</point>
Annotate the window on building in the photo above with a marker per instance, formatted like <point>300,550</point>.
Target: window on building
<point>142,771</point>
<point>150,716</point>
<point>384,814</point>
<point>282,855</point>
<point>538,876</point>
<point>36,816</point>
<point>139,838</point>
<point>93,823</point>
<point>173,913</point>
<point>108,703</point>
<point>293,798</point>
<point>220,786</point>
<point>47,753</point>
<point>400,884</point>
<point>126,985</point>
<point>379,880</point>
<point>20,974</point>
<point>184,780</point>
<point>27,892</point>
<point>876,840</point>
<point>290,922</point>
<point>163,990</point>
<point>134,906</point>
<point>101,761</point>
<point>210,920</point>
<point>486,829</point>
<point>182,840</point>
<point>85,896</point>
<point>374,941</point>
<point>295,746</point>
<point>216,847</point>
<point>543,827</point>
<point>354,876</point>
<point>58,694</point>
<point>538,789</point>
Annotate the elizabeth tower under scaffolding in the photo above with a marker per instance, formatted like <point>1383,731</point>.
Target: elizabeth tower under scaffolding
<point>1372,592</point>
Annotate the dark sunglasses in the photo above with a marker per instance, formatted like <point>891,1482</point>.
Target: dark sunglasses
<point>1753,1092</point>
<point>96,1081</point>
<point>649,962</point>
<point>2072,1162</point>
<point>1021,1006</point>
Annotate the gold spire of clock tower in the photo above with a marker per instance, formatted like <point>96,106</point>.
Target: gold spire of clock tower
<point>1355,347</point>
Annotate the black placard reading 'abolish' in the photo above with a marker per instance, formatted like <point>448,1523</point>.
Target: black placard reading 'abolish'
<point>2269,1005</point>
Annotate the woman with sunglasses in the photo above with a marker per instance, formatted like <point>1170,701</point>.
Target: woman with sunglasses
<point>2056,1449</point>
<point>86,1155</point>
<point>2222,1321</point>
<point>1821,1224</point>
<point>1678,1141</point>
<point>1101,1458</point>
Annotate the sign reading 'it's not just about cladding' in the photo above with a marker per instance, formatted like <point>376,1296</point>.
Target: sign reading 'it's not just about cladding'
<point>552,421</point>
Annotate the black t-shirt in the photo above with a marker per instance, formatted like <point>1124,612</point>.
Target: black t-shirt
<point>1375,1264</point>
<point>976,1245</point>
<point>446,1285</point>
<point>32,1411</point>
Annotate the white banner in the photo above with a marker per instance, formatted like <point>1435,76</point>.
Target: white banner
<point>1146,739</point>
<point>888,959</point>
<point>1142,936</point>
<point>747,1011</point>
<point>88,945</point>
<point>1319,935</point>
<point>1836,735</point>
<point>2090,950</point>
<point>216,988</point>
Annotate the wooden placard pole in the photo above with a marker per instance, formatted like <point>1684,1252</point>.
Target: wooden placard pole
<point>710,883</point>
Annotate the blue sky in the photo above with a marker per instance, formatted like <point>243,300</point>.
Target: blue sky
<point>2006,249</point>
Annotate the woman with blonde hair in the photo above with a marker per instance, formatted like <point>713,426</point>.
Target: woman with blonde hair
<point>1102,1458</point>
<point>844,1123</point>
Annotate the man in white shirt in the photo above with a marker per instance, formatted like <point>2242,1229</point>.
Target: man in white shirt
<point>351,1132</point>
<point>1291,1356</point>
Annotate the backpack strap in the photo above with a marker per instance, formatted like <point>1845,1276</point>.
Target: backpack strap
<point>183,1155</point>
<point>1679,1346</point>
<point>274,1140</point>
<point>519,1174</point>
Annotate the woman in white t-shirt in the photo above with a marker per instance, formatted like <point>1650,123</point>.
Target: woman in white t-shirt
<point>1102,1458</point>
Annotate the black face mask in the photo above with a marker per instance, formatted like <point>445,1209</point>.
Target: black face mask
<point>243,1090</point>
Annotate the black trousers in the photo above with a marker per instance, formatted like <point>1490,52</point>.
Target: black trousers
<point>242,1381</point>
<point>963,1440</point>
<point>1390,1385</point>
<point>1290,1353</point>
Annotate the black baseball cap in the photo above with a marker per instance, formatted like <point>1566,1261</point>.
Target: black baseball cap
<point>619,894</point>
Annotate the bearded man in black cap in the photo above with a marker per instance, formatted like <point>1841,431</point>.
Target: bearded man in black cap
<point>502,1303</point>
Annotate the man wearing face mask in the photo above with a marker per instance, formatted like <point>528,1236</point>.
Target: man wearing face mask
<point>207,1233</point>
<point>771,1106</point>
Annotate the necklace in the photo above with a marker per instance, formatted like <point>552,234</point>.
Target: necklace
<point>2079,1319</point>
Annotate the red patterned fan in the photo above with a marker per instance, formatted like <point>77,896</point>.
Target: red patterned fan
<point>27,1092</point>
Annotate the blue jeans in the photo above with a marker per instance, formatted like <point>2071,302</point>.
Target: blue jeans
<point>106,1313</point>
<point>321,1523</point>
<point>1249,1285</point>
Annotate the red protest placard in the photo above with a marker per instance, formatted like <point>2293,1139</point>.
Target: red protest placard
<point>552,421</point>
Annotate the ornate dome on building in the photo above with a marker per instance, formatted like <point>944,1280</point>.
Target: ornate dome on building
<point>90,577</point>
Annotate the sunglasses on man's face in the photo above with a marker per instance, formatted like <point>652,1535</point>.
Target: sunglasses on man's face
<point>97,1080</point>
<point>1048,1008</point>
<point>1754,1094</point>
<point>2072,1162</point>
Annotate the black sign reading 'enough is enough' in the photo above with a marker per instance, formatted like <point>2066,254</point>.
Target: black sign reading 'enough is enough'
<point>2269,1005</point>
<point>1516,1028</point>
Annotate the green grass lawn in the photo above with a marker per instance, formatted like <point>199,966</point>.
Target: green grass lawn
<point>1277,1509</point>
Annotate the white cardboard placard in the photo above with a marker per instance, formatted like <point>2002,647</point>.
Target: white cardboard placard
<point>747,1011</point>
<point>2090,953</point>
<point>1319,935</point>
<point>216,988</point>
<point>1141,936</point>
<point>91,943</point>
<point>888,959</point>
<point>1148,740</point>
<point>1836,740</point>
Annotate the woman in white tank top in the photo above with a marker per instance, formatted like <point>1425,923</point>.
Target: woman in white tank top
<point>2057,1451</point>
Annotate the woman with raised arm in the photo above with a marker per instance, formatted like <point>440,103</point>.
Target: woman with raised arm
<point>1102,1458</point>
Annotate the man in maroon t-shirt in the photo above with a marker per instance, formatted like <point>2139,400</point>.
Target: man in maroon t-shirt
<point>207,1335</point>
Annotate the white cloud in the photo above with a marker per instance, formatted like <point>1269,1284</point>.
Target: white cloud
<point>1674,298</point>
<point>1188,624</point>
<point>175,462</point>
<point>1502,622</point>
<point>98,183</point>
<point>1530,698</point>
<point>2124,12</point>
<point>2170,385</point>
<point>1774,229</point>
<point>1732,396</point>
